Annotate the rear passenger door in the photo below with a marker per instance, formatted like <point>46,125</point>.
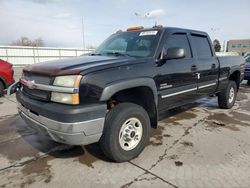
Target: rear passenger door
<point>207,64</point>
<point>176,82</point>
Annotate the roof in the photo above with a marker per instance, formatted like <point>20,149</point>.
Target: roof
<point>173,29</point>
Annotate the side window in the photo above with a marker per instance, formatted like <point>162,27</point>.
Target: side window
<point>202,46</point>
<point>181,41</point>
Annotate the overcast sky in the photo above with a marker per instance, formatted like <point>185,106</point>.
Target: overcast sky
<point>59,22</point>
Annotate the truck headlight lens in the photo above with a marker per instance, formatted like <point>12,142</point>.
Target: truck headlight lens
<point>68,81</point>
<point>65,98</point>
<point>72,81</point>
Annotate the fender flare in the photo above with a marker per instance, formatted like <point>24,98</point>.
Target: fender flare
<point>234,69</point>
<point>115,87</point>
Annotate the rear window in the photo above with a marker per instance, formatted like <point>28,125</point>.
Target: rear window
<point>202,46</point>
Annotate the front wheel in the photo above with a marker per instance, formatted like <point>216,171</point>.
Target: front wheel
<point>126,132</point>
<point>227,97</point>
<point>248,82</point>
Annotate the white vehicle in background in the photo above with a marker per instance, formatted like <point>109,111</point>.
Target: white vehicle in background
<point>227,54</point>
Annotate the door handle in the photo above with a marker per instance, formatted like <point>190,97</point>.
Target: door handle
<point>193,68</point>
<point>213,66</point>
<point>198,75</point>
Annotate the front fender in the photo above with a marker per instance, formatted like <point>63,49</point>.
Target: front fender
<point>117,86</point>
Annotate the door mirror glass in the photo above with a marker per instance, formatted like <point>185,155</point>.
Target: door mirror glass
<point>173,53</point>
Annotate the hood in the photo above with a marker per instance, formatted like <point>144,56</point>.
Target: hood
<point>78,64</point>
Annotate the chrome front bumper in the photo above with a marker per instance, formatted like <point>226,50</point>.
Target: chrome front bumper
<point>77,133</point>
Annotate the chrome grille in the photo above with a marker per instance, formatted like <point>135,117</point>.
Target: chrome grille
<point>40,79</point>
<point>34,93</point>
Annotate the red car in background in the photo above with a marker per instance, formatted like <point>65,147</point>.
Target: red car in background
<point>6,76</point>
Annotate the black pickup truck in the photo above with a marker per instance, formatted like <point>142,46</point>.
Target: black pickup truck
<point>114,95</point>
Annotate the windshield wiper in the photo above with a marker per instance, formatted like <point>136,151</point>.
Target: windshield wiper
<point>116,54</point>
<point>95,54</point>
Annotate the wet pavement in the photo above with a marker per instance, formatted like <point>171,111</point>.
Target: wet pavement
<point>198,145</point>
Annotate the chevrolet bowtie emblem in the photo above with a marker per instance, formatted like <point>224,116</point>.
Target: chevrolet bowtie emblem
<point>31,84</point>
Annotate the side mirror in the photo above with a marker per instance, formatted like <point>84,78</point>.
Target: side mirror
<point>173,53</point>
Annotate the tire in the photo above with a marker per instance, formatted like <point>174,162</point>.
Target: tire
<point>115,142</point>
<point>1,89</point>
<point>227,97</point>
<point>248,82</point>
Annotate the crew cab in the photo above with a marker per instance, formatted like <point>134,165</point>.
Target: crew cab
<point>114,95</point>
<point>6,76</point>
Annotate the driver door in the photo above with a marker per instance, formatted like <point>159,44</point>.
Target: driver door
<point>176,79</point>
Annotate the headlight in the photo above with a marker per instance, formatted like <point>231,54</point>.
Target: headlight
<point>72,81</point>
<point>68,81</point>
<point>65,98</point>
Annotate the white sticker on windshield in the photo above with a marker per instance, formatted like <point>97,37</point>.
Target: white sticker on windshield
<point>144,33</point>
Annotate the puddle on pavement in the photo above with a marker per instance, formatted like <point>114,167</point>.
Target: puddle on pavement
<point>208,102</point>
<point>7,118</point>
<point>38,168</point>
<point>173,157</point>
<point>157,135</point>
<point>13,127</point>
<point>241,96</point>
<point>187,144</point>
<point>26,147</point>
<point>81,155</point>
<point>223,120</point>
<point>87,159</point>
<point>246,106</point>
<point>184,116</point>
<point>178,116</point>
<point>17,149</point>
<point>178,163</point>
<point>240,116</point>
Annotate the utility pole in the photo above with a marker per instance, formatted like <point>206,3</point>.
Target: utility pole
<point>83,38</point>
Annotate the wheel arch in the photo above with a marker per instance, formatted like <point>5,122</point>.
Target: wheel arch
<point>235,76</point>
<point>141,91</point>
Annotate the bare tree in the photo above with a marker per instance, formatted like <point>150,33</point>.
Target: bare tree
<point>25,41</point>
<point>38,42</point>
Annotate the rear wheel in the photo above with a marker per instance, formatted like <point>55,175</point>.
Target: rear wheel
<point>126,132</point>
<point>227,97</point>
<point>248,82</point>
<point>1,89</point>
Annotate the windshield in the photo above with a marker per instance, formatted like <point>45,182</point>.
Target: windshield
<point>136,44</point>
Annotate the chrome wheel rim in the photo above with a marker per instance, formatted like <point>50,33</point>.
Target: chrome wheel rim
<point>130,134</point>
<point>231,95</point>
